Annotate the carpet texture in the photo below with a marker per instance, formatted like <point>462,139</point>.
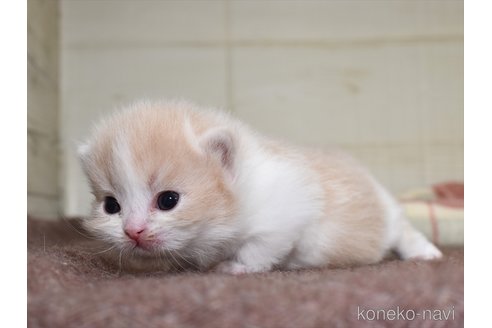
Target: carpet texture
<point>70,285</point>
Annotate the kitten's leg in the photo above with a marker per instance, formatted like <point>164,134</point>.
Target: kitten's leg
<point>413,244</point>
<point>256,256</point>
<point>402,237</point>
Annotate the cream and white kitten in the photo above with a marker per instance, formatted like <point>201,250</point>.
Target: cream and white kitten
<point>171,180</point>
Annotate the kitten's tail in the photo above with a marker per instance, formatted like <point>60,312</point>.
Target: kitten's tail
<point>412,244</point>
<point>402,237</point>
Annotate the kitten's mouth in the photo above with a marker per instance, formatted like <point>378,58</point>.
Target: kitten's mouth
<point>141,246</point>
<point>144,245</point>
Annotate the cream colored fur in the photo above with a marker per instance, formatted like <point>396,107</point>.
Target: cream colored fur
<point>248,203</point>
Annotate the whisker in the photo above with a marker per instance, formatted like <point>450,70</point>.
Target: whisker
<point>200,256</point>
<point>77,230</point>
<point>104,251</point>
<point>175,269</point>
<point>161,259</point>
<point>193,265</point>
<point>177,262</point>
<point>168,260</point>
<point>119,262</point>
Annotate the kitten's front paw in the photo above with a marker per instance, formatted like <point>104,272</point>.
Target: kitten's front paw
<point>233,267</point>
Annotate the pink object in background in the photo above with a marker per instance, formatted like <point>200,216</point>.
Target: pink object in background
<point>450,194</point>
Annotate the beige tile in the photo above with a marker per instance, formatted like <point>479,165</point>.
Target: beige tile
<point>42,66</point>
<point>307,95</point>
<point>376,159</point>
<point>42,15</point>
<point>444,163</point>
<point>42,102</point>
<point>42,108</point>
<point>141,22</point>
<point>42,36</point>
<point>443,96</point>
<point>75,192</point>
<point>42,207</point>
<point>405,167</point>
<point>255,20</point>
<point>399,168</point>
<point>42,165</point>
<point>366,96</point>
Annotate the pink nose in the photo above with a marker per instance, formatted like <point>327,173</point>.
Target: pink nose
<point>134,233</point>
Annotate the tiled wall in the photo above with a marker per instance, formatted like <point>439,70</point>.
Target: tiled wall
<point>382,79</point>
<point>42,108</point>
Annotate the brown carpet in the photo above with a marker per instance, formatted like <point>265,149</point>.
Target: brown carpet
<point>71,286</point>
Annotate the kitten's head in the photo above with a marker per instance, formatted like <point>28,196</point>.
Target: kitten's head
<point>162,178</point>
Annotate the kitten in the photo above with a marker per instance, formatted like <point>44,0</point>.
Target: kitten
<point>175,181</point>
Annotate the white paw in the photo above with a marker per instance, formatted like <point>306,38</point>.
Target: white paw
<point>429,252</point>
<point>233,267</point>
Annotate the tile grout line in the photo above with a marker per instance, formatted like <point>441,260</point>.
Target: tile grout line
<point>228,59</point>
<point>313,43</point>
<point>48,196</point>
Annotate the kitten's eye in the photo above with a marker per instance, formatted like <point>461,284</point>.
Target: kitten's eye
<point>167,200</point>
<point>111,205</point>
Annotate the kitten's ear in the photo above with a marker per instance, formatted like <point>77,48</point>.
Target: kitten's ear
<point>220,144</point>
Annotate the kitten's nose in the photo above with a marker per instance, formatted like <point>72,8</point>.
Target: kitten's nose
<point>134,233</point>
